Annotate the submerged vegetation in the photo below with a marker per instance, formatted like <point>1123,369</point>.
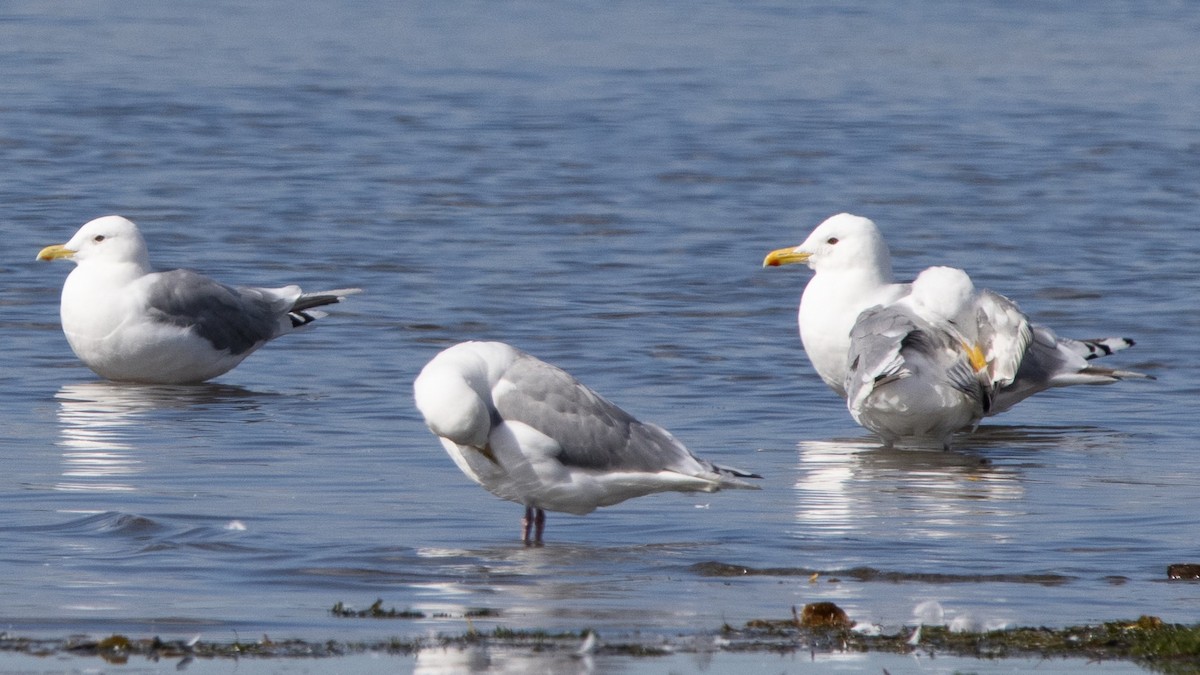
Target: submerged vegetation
<point>820,627</point>
<point>376,611</point>
<point>867,574</point>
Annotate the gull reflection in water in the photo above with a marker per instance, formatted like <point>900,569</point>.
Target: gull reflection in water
<point>560,585</point>
<point>99,424</point>
<point>845,485</point>
<point>500,660</point>
<point>554,581</point>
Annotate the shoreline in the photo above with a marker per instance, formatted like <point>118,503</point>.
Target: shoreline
<point>1146,641</point>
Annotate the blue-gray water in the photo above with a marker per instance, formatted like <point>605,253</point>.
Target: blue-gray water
<point>596,184</point>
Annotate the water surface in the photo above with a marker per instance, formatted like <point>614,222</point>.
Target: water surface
<point>596,185</point>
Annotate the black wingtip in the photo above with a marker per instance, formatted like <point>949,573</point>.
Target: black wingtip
<point>736,473</point>
<point>322,298</point>
<point>300,318</point>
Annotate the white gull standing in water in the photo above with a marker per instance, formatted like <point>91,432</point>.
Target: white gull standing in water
<point>129,323</point>
<point>853,273</point>
<point>530,433</point>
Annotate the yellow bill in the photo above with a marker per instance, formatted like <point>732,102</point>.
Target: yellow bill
<point>785,256</point>
<point>55,252</point>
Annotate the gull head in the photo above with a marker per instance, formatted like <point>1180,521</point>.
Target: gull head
<point>454,390</point>
<point>111,238</point>
<point>943,294</point>
<point>842,242</point>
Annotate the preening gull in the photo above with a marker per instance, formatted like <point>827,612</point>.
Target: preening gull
<point>853,273</point>
<point>127,322</point>
<point>912,372</point>
<point>529,432</point>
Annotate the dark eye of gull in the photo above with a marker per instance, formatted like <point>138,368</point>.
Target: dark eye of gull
<point>98,238</point>
<point>831,240</point>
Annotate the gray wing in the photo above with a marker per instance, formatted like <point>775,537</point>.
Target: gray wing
<point>1043,362</point>
<point>593,433</point>
<point>874,357</point>
<point>237,319</point>
<point>1005,335</point>
<point>888,343</point>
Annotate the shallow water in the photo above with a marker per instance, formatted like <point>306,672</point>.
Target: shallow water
<point>596,185</point>
<point>454,662</point>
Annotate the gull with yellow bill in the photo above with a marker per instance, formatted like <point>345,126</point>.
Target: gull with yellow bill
<point>128,322</point>
<point>978,354</point>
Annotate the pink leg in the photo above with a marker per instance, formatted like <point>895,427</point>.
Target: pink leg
<point>534,522</point>
<point>527,524</point>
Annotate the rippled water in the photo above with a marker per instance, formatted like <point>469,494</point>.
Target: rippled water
<point>597,185</point>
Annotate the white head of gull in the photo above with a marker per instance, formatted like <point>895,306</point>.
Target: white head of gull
<point>852,271</point>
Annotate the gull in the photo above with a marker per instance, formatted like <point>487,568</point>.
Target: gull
<point>529,432</point>
<point>853,273</point>
<point>935,361</point>
<point>127,322</point>
<point>917,369</point>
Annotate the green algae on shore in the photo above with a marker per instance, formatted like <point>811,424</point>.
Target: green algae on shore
<point>1148,641</point>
